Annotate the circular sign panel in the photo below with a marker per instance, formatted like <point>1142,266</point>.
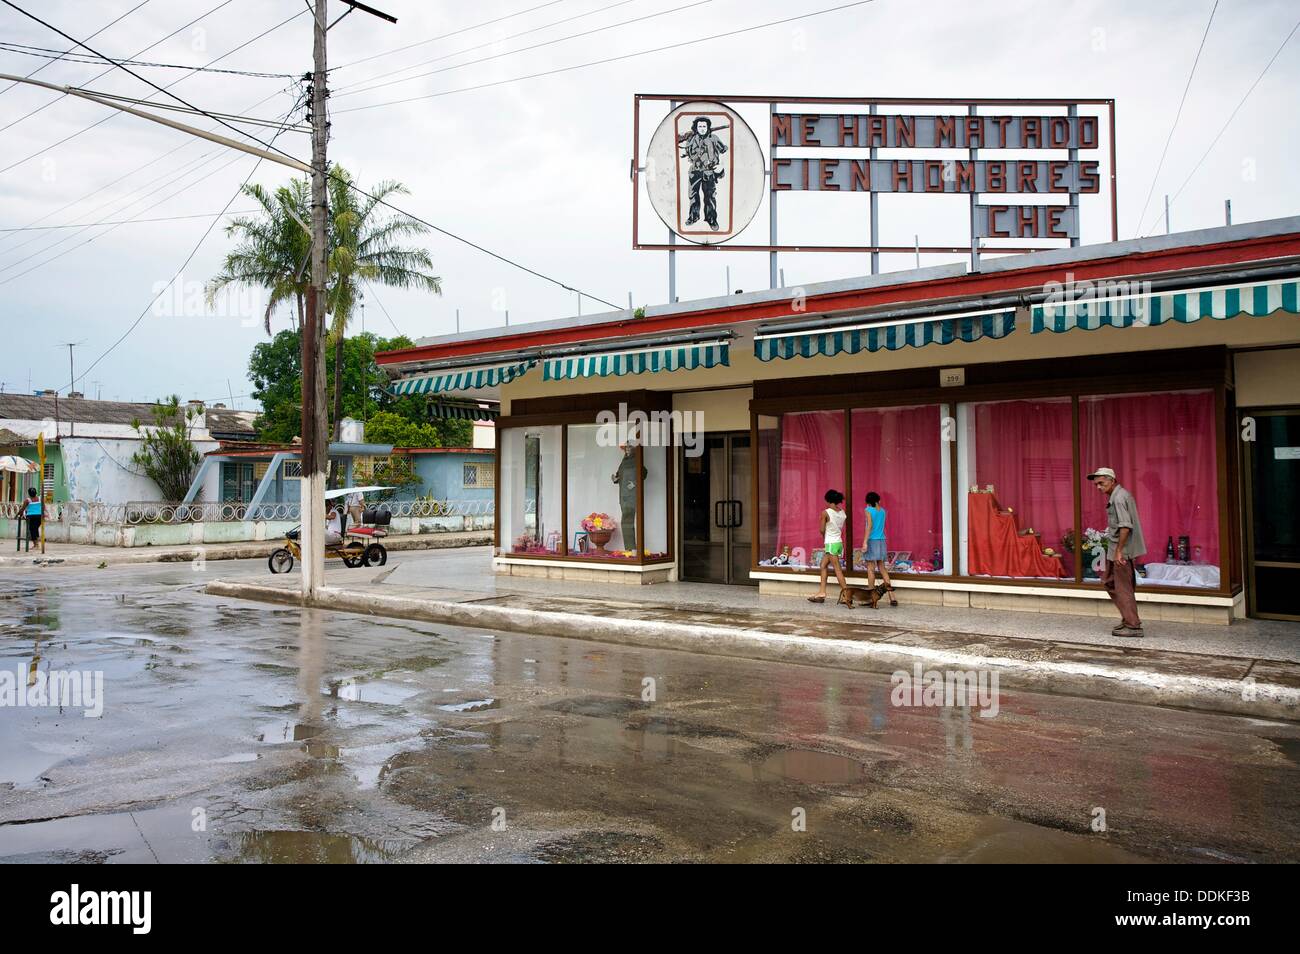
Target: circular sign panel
<point>704,172</point>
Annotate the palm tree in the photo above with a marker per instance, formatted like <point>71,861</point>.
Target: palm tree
<point>273,249</point>
<point>365,246</point>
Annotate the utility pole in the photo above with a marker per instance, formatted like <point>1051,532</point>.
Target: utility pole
<point>315,440</point>
<point>315,419</point>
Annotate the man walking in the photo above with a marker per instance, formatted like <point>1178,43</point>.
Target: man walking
<point>1124,545</point>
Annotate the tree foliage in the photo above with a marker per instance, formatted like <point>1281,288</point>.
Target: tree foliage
<point>167,454</point>
<point>275,369</point>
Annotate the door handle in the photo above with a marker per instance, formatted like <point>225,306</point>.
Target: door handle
<point>717,515</point>
<point>738,514</point>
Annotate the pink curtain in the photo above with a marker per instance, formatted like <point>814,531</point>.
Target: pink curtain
<point>1025,450</point>
<point>812,462</point>
<point>896,453</point>
<point>1162,448</point>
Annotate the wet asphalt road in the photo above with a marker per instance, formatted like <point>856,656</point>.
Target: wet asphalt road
<point>235,731</point>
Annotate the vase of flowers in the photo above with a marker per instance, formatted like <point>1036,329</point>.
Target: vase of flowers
<point>1093,542</point>
<point>600,528</point>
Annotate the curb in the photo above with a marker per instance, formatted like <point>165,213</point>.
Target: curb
<point>119,556</point>
<point>1145,687</point>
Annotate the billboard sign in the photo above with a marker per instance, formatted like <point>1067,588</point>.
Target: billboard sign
<point>705,173</point>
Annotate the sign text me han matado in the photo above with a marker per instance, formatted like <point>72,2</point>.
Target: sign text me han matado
<point>715,170</point>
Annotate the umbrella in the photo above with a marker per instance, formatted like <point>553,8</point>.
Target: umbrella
<point>345,491</point>
<point>19,465</point>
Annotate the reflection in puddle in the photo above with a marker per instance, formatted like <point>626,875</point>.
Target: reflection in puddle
<point>304,847</point>
<point>276,732</point>
<point>473,705</point>
<point>381,693</point>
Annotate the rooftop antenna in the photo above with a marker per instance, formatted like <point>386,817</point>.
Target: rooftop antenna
<point>72,382</point>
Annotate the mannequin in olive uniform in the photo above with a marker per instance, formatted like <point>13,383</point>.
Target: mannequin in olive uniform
<point>625,477</point>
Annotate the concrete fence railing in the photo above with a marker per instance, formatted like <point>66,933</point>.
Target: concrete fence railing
<point>162,523</point>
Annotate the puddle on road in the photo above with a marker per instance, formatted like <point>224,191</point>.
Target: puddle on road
<point>273,733</point>
<point>22,763</point>
<point>304,847</point>
<point>166,835</point>
<point>473,705</point>
<point>378,692</point>
<point>810,767</point>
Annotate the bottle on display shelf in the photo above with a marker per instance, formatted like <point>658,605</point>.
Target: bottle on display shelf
<point>936,560</point>
<point>1169,551</point>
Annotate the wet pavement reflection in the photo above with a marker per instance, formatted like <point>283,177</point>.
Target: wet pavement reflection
<point>235,732</point>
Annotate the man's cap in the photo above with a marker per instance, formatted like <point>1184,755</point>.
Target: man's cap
<point>1102,472</point>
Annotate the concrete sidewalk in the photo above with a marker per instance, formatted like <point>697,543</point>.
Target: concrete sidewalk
<point>77,554</point>
<point>1029,651</point>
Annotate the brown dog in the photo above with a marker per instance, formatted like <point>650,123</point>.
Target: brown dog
<point>849,594</point>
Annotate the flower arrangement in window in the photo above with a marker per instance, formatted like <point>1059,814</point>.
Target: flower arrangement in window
<point>599,527</point>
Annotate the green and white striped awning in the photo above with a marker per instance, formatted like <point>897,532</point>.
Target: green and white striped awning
<point>1104,308</point>
<point>851,340</point>
<point>465,380</point>
<point>681,357</point>
<point>462,411</point>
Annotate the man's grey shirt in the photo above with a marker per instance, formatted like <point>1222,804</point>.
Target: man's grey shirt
<point>1122,511</point>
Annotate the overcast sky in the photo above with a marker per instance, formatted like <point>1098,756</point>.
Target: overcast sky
<point>537,169</point>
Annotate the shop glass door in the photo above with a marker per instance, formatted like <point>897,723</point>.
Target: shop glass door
<point>715,510</point>
<point>1273,533</point>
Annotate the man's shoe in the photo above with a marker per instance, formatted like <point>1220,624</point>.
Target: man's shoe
<point>714,226</point>
<point>1116,630</point>
<point>1130,632</point>
<point>692,220</point>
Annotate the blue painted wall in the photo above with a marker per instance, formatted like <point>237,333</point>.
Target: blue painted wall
<point>442,476</point>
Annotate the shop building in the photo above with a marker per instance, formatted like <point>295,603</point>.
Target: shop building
<point>695,441</point>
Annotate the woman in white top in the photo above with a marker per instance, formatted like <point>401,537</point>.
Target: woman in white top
<point>831,526</point>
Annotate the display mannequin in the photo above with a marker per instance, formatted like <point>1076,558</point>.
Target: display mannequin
<point>626,479</point>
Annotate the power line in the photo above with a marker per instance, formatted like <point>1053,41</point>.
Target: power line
<point>109,70</point>
<point>1177,115</point>
<point>526,49</point>
<point>125,200</point>
<point>370,288</point>
<point>100,61</point>
<point>433,39</point>
<point>93,238</point>
<point>212,154</point>
<point>161,89</point>
<point>353,186</point>
<point>189,258</point>
<point>493,42</point>
<point>611,59</point>
<point>112,116</point>
<point>1236,109</point>
<point>71,48</point>
<point>93,192</point>
<point>164,218</point>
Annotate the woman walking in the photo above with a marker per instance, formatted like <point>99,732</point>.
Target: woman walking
<point>874,552</point>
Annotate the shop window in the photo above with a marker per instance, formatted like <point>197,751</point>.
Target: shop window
<point>901,453</point>
<point>531,490</point>
<point>1016,493</point>
<point>1162,448</point>
<point>800,457</point>
<point>604,478</point>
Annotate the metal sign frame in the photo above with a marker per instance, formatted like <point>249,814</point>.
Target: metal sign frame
<point>871,103</point>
